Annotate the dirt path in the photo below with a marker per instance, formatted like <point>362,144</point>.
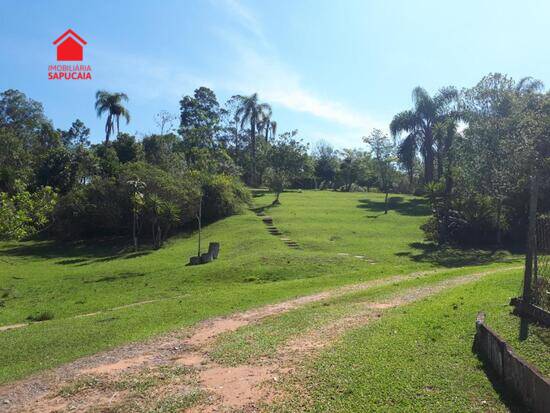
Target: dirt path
<point>98,380</point>
<point>251,386</point>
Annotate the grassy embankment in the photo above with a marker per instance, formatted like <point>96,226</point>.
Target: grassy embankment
<point>418,357</point>
<point>255,268</point>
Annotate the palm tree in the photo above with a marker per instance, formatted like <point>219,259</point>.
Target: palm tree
<point>253,112</point>
<point>406,153</point>
<point>270,128</point>
<point>111,103</point>
<point>266,125</point>
<point>420,121</point>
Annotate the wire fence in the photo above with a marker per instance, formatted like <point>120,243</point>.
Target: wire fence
<point>541,270</point>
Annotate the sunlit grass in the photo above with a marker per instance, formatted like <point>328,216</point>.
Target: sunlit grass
<point>419,357</point>
<point>254,268</point>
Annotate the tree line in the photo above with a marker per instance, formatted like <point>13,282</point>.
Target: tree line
<point>470,152</point>
<point>474,153</point>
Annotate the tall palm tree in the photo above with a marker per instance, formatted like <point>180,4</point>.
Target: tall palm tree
<point>406,153</point>
<point>266,125</point>
<point>269,128</point>
<point>112,104</point>
<point>253,112</point>
<point>419,122</point>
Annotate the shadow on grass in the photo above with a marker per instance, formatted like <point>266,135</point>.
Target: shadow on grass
<point>264,208</point>
<point>412,207</point>
<point>76,253</point>
<point>513,403</point>
<point>111,278</point>
<point>258,192</point>
<point>528,325</point>
<point>453,257</point>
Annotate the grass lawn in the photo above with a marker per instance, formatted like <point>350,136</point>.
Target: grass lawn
<point>259,341</point>
<point>418,357</point>
<point>254,268</point>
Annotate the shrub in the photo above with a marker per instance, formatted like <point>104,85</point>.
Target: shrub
<point>104,207</point>
<point>25,213</point>
<point>223,196</point>
<point>42,316</point>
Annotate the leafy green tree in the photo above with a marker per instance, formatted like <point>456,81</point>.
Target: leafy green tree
<point>419,122</point>
<point>23,214</point>
<point>382,150</point>
<point>127,148</point>
<point>235,137</point>
<point>57,169</point>
<point>87,165</point>
<point>490,141</point>
<point>326,163</point>
<point>22,115</point>
<point>287,160</point>
<point>163,150</point>
<point>199,120</point>
<point>77,135</point>
<point>266,125</point>
<point>113,105</point>
<point>15,160</point>
<point>406,154</point>
<point>445,134</point>
<point>108,164</point>
<point>25,133</point>
<point>353,168</point>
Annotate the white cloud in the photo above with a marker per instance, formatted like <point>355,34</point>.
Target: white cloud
<point>244,17</point>
<point>255,70</point>
<point>252,66</point>
<point>144,77</point>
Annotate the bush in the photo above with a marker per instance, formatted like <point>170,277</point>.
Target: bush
<point>470,221</point>
<point>25,213</point>
<point>223,196</point>
<point>100,208</point>
<point>105,207</point>
<point>42,316</point>
<point>352,188</point>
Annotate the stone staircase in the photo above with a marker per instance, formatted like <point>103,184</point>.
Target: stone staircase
<point>273,230</point>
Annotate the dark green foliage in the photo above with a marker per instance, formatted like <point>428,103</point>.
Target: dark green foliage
<point>481,196</point>
<point>22,213</point>
<point>326,162</point>
<point>127,148</point>
<point>163,150</point>
<point>77,135</point>
<point>94,184</point>
<point>108,162</point>
<point>57,168</point>
<point>103,207</point>
<point>92,210</point>
<point>42,316</point>
<point>24,134</point>
<point>223,196</point>
<point>287,159</point>
<point>200,119</point>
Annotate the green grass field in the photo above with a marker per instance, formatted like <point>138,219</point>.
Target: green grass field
<point>419,357</point>
<point>254,268</point>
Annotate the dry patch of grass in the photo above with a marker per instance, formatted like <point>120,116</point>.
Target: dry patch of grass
<point>160,389</point>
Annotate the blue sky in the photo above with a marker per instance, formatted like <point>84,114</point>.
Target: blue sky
<point>331,69</point>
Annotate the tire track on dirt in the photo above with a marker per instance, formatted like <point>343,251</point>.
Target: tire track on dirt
<point>188,348</point>
<point>250,386</point>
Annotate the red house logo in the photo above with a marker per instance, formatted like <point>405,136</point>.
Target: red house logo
<point>70,46</point>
